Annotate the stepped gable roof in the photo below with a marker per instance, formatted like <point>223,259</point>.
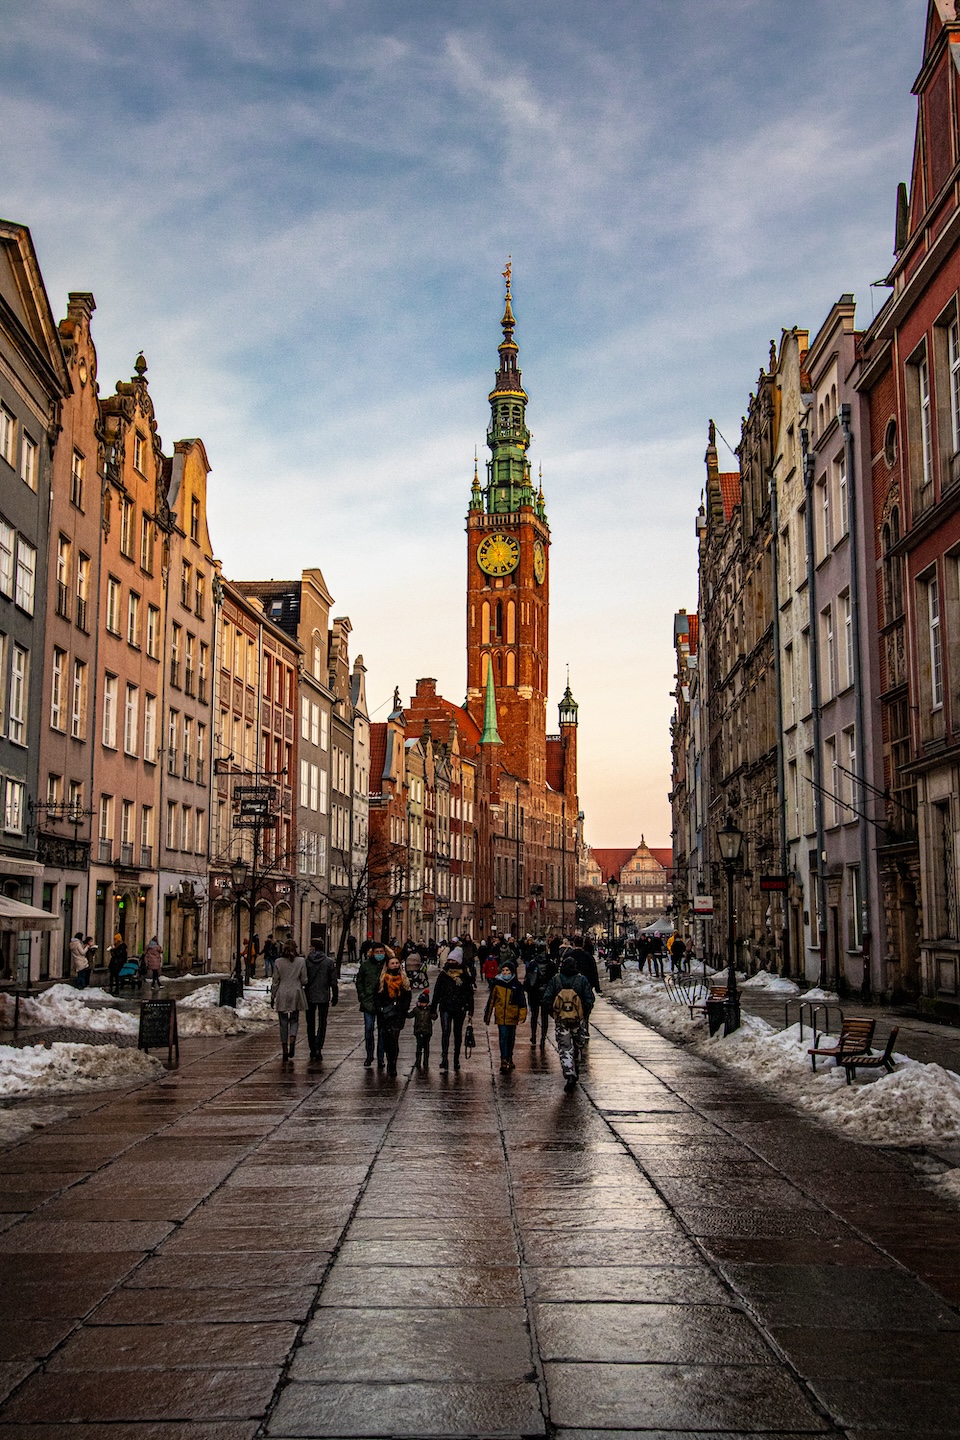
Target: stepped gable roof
<point>612,861</point>
<point>555,763</point>
<point>730,492</point>
<point>664,856</point>
<point>378,755</point>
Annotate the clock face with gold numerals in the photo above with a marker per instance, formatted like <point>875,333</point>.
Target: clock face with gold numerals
<point>498,554</point>
<point>539,563</point>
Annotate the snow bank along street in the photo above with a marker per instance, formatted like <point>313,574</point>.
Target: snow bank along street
<point>242,1249</point>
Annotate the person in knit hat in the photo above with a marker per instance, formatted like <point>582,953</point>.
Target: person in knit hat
<point>422,1030</point>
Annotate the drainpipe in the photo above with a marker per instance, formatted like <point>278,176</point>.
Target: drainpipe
<point>781,782</point>
<point>865,936</point>
<point>814,627</point>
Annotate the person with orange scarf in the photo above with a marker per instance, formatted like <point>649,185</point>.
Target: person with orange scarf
<point>392,1006</point>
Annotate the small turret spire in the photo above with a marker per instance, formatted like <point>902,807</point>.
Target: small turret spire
<point>491,735</point>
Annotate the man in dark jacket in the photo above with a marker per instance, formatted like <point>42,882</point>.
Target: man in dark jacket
<point>572,1031</point>
<point>321,992</point>
<point>537,976</point>
<point>453,1001</point>
<point>368,978</point>
<point>586,964</point>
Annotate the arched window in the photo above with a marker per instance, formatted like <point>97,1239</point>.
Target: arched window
<point>485,623</point>
<point>317,656</point>
<point>511,622</point>
<point>516,416</point>
<point>511,668</point>
<point>498,621</point>
<point>498,675</point>
<point>484,668</point>
<point>892,568</point>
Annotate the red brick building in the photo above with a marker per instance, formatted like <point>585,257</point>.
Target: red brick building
<point>910,375</point>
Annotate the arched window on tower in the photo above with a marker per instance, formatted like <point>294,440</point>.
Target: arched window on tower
<point>485,623</point>
<point>498,621</point>
<point>516,416</point>
<point>511,668</point>
<point>498,672</point>
<point>484,668</point>
<point>511,622</point>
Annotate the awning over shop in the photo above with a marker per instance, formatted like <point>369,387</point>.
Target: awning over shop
<point>14,915</point>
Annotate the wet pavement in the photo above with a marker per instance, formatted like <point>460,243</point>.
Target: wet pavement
<point>244,1250</point>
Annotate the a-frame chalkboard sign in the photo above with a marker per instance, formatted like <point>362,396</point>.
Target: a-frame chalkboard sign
<point>158,1027</point>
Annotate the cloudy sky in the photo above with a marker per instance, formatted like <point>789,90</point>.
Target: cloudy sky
<point>300,211</point>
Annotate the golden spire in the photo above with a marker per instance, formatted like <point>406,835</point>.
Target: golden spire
<point>508,321</point>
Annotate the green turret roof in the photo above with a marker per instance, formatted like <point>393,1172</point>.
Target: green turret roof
<point>491,735</point>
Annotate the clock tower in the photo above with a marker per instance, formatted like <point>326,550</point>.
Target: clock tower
<point>508,579</point>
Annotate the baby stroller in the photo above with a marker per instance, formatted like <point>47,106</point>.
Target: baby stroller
<point>130,974</point>
<point>416,971</point>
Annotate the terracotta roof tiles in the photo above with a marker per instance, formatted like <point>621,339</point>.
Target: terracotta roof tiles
<point>730,492</point>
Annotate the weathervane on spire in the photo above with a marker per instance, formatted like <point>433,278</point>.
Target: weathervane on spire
<point>508,272</point>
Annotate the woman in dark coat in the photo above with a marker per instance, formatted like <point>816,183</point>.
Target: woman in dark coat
<point>118,958</point>
<point>453,1001</point>
<point>392,1002</point>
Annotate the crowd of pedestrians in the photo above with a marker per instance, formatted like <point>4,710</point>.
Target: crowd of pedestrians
<point>548,982</point>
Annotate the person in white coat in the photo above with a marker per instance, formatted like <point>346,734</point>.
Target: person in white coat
<point>288,995</point>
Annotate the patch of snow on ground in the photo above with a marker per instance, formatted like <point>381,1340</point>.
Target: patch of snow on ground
<point>202,1014</point>
<point>819,994</point>
<point>949,1184</point>
<point>64,1005</point>
<point>772,984</point>
<point>19,1120</point>
<point>66,1067</point>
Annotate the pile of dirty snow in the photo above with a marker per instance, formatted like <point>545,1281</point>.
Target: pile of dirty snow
<point>771,984</point>
<point>19,1120</point>
<point>817,993</point>
<point>65,1067</point>
<point>66,1005</point>
<point>647,999</point>
<point>202,1014</point>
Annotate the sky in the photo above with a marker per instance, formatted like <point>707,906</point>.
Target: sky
<point>300,212</point>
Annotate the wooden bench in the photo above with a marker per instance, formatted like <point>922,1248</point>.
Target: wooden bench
<point>854,1039</point>
<point>714,992</point>
<point>853,1063</point>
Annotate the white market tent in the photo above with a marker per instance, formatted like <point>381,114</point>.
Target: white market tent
<point>659,927</point>
<point>14,915</point>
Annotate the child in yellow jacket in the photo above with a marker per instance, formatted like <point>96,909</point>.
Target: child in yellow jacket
<point>507,1005</point>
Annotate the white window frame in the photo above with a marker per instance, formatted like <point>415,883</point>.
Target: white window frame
<point>133,619</point>
<point>935,640</point>
<point>131,714</point>
<point>19,695</point>
<point>8,436</point>
<point>26,575</point>
<point>926,423</point>
<point>29,455</point>
<point>153,632</point>
<point>109,729</point>
<point>13,806</point>
<point>150,727</point>
<point>57,672</point>
<point>7,547</point>
<point>113,605</point>
<point>78,701</point>
<point>953,366</point>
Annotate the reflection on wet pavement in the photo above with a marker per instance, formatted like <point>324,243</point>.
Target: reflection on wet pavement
<point>244,1250</point>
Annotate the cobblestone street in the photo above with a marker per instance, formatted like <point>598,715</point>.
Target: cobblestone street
<point>242,1250</point>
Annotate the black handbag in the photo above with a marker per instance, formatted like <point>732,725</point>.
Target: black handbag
<point>469,1041</point>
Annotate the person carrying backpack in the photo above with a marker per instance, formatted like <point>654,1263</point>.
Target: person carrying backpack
<point>570,998</point>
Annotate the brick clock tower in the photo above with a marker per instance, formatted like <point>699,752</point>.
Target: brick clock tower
<point>508,576</point>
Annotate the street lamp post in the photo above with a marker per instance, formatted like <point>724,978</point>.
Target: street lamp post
<point>238,880</point>
<point>730,841</point>
<point>613,887</point>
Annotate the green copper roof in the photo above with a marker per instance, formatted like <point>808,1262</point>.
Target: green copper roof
<point>491,735</point>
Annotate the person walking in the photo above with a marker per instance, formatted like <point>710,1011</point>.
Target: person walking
<point>270,952</point>
<point>570,998</point>
<point>506,1004</point>
<point>369,970</point>
<point>153,960</point>
<point>677,952</point>
<point>453,1002</point>
<point>118,958</point>
<point>422,1030</point>
<point>321,991</point>
<point>83,960</point>
<point>536,978</point>
<point>287,995</point>
<point>392,1003</point>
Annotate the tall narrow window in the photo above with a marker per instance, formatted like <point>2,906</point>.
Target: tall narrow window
<point>186,588</point>
<point>83,590</point>
<point>7,541</point>
<point>843,505</point>
<point>146,544</point>
<point>26,575</point>
<point>199,595</point>
<point>13,807</point>
<point>146,835</point>
<point>113,606</point>
<point>173,742</point>
<point>194,517</point>
<point>130,709</point>
<point>847,638</point>
<point>175,637</point>
<point>187,747</point>
<point>139,452</point>
<point>202,673</point>
<point>76,480</point>
<point>150,727</point>
<point>832,778</point>
<point>926,424</point>
<point>953,360</point>
<point>17,707</point>
<point>133,619</point>
<point>829,654</point>
<point>28,462</point>
<point>153,632</point>
<point>57,681</point>
<point>8,435</point>
<point>126,527</point>
<point>105,827</point>
<point>110,711</point>
<point>63,576</point>
<point>850,764</point>
<point>936,642</point>
<point>78,703</point>
<point>201,754</point>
